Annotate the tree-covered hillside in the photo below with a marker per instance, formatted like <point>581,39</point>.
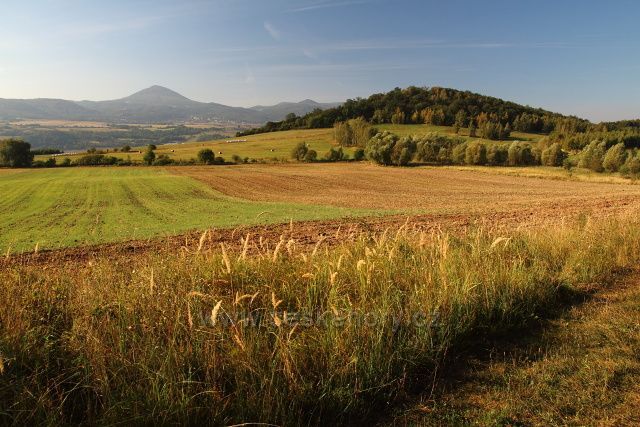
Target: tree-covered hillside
<point>437,106</point>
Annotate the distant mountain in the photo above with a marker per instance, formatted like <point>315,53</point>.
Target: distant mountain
<point>156,104</point>
<point>298,108</point>
<point>43,109</point>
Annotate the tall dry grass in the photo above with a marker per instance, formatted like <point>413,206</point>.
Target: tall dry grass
<point>278,334</point>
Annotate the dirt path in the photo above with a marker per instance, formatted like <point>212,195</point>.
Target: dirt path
<point>582,368</point>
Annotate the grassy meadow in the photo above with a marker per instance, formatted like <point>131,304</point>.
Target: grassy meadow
<point>78,206</point>
<point>286,336</point>
<point>277,146</point>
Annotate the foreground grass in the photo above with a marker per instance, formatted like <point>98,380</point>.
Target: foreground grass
<point>283,336</point>
<point>580,369</point>
<point>70,207</point>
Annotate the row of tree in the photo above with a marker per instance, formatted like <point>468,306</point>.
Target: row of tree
<point>388,149</point>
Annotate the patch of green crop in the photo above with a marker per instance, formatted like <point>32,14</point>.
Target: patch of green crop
<point>79,206</point>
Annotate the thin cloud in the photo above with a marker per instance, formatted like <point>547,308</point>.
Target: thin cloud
<point>113,27</point>
<point>309,54</point>
<point>328,5</point>
<point>273,31</point>
<point>249,78</point>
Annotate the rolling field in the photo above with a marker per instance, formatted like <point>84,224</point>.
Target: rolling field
<point>135,334</point>
<point>278,145</point>
<point>87,206</point>
<point>264,146</point>
<point>416,190</point>
<point>71,207</point>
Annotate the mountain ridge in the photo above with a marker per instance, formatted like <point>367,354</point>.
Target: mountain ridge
<point>155,104</point>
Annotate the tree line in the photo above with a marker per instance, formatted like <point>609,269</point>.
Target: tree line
<point>388,149</point>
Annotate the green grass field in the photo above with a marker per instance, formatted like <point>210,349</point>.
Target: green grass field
<point>72,207</point>
<point>278,145</point>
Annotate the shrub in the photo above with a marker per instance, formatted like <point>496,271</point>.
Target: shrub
<point>310,156</point>
<point>15,153</point>
<point>358,155</point>
<point>163,160</point>
<point>299,151</point>
<point>520,154</point>
<point>403,151</point>
<point>334,155</point>
<point>355,132</point>
<point>553,155</point>
<point>149,156</point>
<point>476,153</point>
<point>459,153</point>
<point>614,158</point>
<point>631,166</point>
<point>434,148</point>
<point>399,117</point>
<point>96,160</point>
<point>66,162</point>
<point>206,156</point>
<point>236,159</point>
<point>379,148</point>
<point>495,131</point>
<point>497,154</point>
<point>592,156</point>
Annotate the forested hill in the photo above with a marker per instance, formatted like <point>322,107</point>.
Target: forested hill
<point>437,106</point>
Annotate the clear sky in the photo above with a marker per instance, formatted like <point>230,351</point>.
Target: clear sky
<point>573,56</point>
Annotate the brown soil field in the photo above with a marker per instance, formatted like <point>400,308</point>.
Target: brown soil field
<point>430,199</point>
<point>434,190</point>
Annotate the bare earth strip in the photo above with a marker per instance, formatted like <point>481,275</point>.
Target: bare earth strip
<point>412,190</point>
<point>428,199</point>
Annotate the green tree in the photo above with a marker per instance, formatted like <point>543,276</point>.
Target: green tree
<point>461,120</point>
<point>403,151</point>
<point>592,156</point>
<point>472,128</point>
<point>149,156</point>
<point>299,151</point>
<point>631,165</point>
<point>15,153</point>
<point>310,156</point>
<point>398,117</point>
<point>615,158</point>
<point>497,154</point>
<point>334,155</point>
<point>459,153</point>
<point>476,153</point>
<point>553,155</point>
<point>206,156</point>
<point>379,148</point>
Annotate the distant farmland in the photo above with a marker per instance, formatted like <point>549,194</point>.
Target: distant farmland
<point>86,206</point>
<point>78,206</point>
<point>278,145</point>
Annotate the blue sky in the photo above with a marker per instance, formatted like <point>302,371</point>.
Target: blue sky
<point>578,57</point>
